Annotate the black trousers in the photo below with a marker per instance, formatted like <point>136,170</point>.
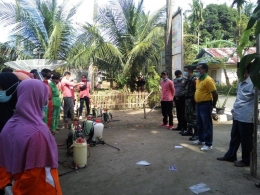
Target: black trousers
<point>82,100</point>
<point>68,107</point>
<point>167,107</point>
<point>180,109</point>
<point>241,133</point>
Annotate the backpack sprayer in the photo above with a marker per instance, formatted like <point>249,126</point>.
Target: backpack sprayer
<point>94,129</point>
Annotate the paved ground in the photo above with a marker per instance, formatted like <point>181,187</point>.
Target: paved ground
<point>111,172</point>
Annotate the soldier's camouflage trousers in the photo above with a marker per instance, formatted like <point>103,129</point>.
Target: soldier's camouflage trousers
<point>190,113</point>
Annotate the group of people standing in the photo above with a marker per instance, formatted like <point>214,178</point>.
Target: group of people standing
<point>67,87</point>
<point>195,96</point>
<point>28,150</point>
<point>29,116</point>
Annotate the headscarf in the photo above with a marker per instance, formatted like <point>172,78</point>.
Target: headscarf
<point>26,141</point>
<point>7,79</point>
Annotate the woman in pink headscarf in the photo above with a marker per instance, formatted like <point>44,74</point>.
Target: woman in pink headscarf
<point>28,151</point>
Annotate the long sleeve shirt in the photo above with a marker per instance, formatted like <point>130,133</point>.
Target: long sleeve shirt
<point>66,87</point>
<point>243,109</point>
<point>167,90</point>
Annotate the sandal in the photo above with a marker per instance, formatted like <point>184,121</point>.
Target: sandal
<point>257,185</point>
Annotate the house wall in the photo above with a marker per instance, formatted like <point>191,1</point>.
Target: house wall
<point>231,72</point>
<point>218,75</point>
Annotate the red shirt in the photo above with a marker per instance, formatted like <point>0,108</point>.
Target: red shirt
<point>85,92</point>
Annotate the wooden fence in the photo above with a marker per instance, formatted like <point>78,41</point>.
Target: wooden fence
<point>123,100</point>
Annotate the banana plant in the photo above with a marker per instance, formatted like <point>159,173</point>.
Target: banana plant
<point>255,57</point>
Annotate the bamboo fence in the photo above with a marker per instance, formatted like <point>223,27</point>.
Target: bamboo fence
<point>123,100</point>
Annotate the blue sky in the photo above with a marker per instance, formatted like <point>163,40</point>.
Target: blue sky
<point>85,11</point>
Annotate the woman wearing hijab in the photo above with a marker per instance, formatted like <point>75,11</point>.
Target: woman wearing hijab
<point>32,157</point>
<point>8,97</point>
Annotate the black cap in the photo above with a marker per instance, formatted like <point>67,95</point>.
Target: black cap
<point>164,72</point>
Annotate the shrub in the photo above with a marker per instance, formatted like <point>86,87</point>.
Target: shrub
<point>223,89</point>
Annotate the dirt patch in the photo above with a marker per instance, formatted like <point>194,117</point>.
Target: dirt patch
<point>110,171</point>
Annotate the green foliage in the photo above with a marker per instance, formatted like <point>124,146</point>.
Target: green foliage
<point>40,24</point>
<point>152,80</point>
<point>124,41</point>
<point>253,58</point>
<point>224,89</point>
<point>220,22</point>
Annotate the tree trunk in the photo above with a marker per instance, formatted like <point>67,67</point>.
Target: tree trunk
<point>198,39</point>
<point>111,79</point>
<point>168,38</point>
<point>253,164</point>
<point>226,76</point>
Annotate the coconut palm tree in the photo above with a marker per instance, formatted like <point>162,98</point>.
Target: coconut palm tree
<point>239,4</point>
<point>196,18</point>
<point>40,24</point>
<point>124,35</point>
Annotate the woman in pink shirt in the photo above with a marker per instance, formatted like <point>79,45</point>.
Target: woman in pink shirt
<point>84,95</point>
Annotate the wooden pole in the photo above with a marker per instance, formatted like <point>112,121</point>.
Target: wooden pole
<point>253,165</point>
<point>168,39</point>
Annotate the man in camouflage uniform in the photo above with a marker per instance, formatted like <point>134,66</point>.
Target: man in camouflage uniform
<point>190,104</point>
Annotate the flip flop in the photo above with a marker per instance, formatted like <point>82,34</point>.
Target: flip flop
<point>257,185</point>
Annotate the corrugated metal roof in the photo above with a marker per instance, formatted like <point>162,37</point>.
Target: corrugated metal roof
<point>229,53</point>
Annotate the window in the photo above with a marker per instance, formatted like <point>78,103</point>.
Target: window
<point>214,74</point>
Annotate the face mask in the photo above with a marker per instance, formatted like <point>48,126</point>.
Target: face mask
<point>185,74</point>
<point>5,98</point>
<point>179,78</point>
<point>198,74</point>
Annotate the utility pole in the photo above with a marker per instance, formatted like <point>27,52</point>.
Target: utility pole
<point>253,164</point>
<point>168,38</point>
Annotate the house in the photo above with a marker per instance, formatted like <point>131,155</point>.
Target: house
<point>215,70</point>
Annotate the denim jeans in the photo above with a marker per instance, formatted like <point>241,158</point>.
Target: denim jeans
<point>241,133</point>
<point>204,122</point>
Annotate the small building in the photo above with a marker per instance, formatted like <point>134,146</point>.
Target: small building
<point>231,59</point>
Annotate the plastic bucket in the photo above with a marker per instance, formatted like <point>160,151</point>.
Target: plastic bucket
<point>220,110</point>
<point>80,154</point>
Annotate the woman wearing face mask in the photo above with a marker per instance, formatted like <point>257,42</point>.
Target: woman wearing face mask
<point>8,97</point>
<point>31,160</point>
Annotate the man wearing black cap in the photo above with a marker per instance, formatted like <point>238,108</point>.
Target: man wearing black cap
<point>179,99</point>
<point>167,100</point>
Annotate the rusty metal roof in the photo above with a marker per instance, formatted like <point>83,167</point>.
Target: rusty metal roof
<point>229,53</point>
